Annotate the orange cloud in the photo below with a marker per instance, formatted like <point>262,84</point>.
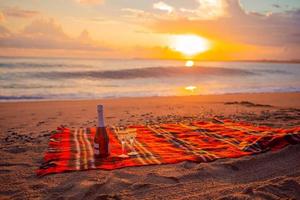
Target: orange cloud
<point>47,34</point>
<point>2,18</point>
<point>4,32</point>
<point>20,13</point>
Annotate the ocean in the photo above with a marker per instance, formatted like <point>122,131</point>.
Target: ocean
<point>24,79</point>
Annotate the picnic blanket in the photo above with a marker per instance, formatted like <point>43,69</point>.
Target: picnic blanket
<point>201,141</point>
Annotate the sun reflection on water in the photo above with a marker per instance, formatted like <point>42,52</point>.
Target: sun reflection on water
<point>191,88</point>
<point>189,63</point>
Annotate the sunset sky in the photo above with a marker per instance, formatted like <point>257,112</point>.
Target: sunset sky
<point>220,29</point>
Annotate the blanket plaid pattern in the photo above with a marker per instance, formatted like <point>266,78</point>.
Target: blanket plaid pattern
<point>71,150</point>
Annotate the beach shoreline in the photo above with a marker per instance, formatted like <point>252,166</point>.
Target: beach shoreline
<point>26,126</point>
<point>198,96</point>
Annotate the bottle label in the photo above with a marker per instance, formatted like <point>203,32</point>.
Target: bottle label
<point>96,151</point>
<point>101,143</point>
<point>96,145</point>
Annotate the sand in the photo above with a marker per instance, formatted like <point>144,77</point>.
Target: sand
<point>26,126</point>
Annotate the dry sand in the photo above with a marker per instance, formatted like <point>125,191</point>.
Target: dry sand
<point>25,128</point>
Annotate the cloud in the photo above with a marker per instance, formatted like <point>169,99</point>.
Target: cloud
<point>20,13</point>
<point>85,36</point>
<point>163,6</point>
<point>276,6</point>
<point>140,16</point>
<point>45,27</point>
<point>47,34</point>
<point>90,1</point>
<point>135,12</point>
<point>2,18</point>
<point>4,32</point>
<point>207,9</point>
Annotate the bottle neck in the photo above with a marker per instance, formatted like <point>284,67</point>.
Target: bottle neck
<point>100,116</point>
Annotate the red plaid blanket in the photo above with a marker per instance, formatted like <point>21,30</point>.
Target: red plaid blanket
<point>71,150</point>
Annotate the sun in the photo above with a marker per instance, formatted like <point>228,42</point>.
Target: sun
<point>189,44</point>
<point>191,88</point>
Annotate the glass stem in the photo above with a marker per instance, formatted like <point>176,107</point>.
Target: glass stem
<point>132,147</point>
<point>123,145</point>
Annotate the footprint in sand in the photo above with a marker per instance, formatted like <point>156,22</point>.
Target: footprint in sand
<point>15,150</point>
<point>158,179</point>
<point>40,123</point>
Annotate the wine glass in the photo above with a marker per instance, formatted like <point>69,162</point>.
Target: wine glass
<point>131,138</point>
<point>122,138</point>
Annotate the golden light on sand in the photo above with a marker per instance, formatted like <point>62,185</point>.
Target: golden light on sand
<point>191,88</point>
<point>190,44</point>
<point>189,63</point>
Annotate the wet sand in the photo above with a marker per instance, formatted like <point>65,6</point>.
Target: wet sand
<point>26,126</point>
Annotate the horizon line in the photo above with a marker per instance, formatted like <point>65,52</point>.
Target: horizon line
<point>171,59</point>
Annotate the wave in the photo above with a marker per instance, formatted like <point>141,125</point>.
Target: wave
<point>273,71</point>
<point>150,72</point>
<point>152,93</point>
<point>22,97</point>
<point>40,86</point>
<point>39,65</point>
